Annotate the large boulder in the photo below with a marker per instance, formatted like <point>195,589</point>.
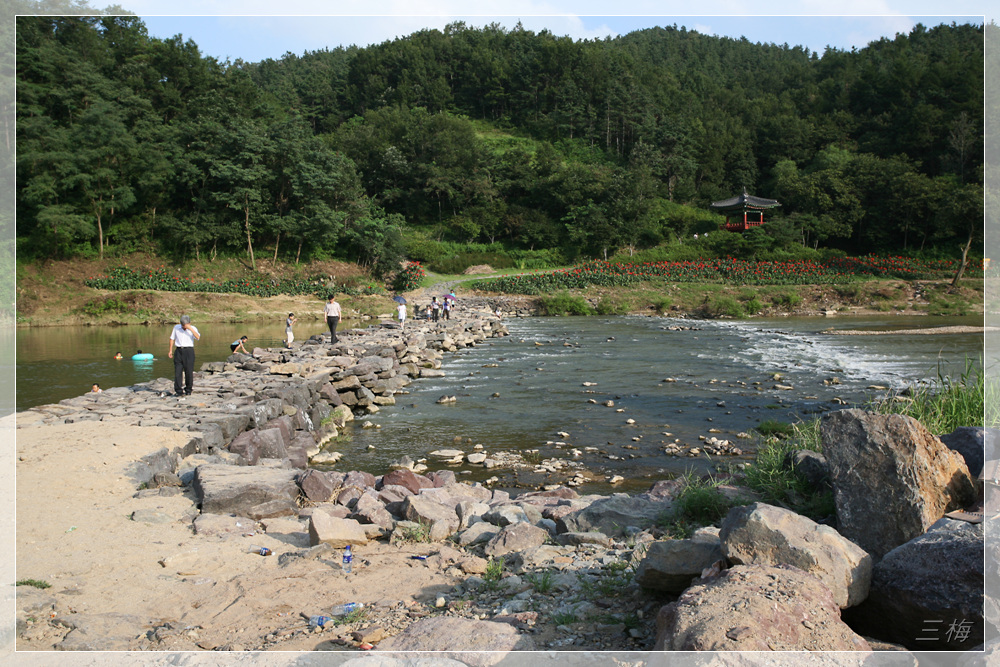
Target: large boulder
<point>255,492</point>
<point>337,532</point>
<point>475,643</point>
<point>970,442</point>
<point>613,515</point>
<point>441,519</point>
<point>670,565</point>
<point>766,535</point>
<point>891,477</point>
<point>932,589</point>
<point>756,608</point>
<point>247,446</point>
<point>369,510</point>
<point>407,479</point>
<point>516,537</point>
<point>316,486</point>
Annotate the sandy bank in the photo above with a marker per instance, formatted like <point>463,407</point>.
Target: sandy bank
<point>912,332</point>
<point>78,529</point>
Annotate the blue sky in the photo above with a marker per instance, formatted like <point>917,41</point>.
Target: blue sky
<point>257,29</point>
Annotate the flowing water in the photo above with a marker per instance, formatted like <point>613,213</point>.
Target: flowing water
<point>517,393</point>
<point>674,385</point>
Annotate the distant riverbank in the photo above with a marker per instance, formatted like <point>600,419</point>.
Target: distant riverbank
<point>55,294</point>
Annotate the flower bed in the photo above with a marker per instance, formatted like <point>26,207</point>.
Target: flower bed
<point>124,278</point>
<point>731,271</point>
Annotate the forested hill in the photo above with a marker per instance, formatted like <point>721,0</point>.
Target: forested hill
<point>486,134</point>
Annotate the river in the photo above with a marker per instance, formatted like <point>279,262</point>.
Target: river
<point>714,380</point>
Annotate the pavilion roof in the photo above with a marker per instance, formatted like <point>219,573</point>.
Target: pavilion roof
<point>744,202</point>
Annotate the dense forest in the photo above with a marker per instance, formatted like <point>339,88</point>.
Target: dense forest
<point>490,135</point>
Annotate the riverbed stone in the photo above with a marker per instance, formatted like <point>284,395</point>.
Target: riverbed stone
<point>337,532</point>
<point>146,468</point>
<point>231,424</point>
<point>254,492</point>
<point>441,478</point>
<point>932,589</point>
<point>247,446</point>
<point>407,479</point>
<point>271,443</point>
<point>369,510</point>
<point>341,415</point>
<point>766,535</point>
<point>516,537</point>
<point>670,565</point>
<point>265,410</point>
<point>892,479</point>
<point>756,608</point>
<point>506,515</point>
<point>316,486</point>
<point>478,533</point>
<point>811,465</point>
<point>613,515</point>
<point>441,519</point>
<point>970,442</point>
<point>469,512</point>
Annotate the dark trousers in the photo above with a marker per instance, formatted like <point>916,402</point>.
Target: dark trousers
<point>183,369</point>
<point>447,314</point>
<point>332,321</point>
<point>435,311</point>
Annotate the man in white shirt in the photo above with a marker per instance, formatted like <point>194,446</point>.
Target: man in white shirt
<point>332,312</point>
<point>183,337</point>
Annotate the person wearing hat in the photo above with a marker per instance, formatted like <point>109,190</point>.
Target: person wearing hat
<point>183,337</point>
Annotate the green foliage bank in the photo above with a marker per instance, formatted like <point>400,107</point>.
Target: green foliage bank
<point>518,141</point>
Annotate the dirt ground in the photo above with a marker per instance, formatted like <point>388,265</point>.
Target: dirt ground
<point>77,530</point>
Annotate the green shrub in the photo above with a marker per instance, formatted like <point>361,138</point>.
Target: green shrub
<point>494,573</point>
<point>753,306</point>
<point>721,305</point>
<point>34,583</point>
<point>564,303</point>
<point>608,306</point>
<point>788,300</point>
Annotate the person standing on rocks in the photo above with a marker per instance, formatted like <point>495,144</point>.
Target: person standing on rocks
<point>289,336</point>
<point>435,308</point>
<point>332,312</point>
<point>446,309</point>
<point>401,310</point>
<point>183,337</point>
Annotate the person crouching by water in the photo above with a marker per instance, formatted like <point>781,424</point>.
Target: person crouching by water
<point>289,336</point>
<point>332,312</point>
<point>183,337</point>
<point>237,345</point>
